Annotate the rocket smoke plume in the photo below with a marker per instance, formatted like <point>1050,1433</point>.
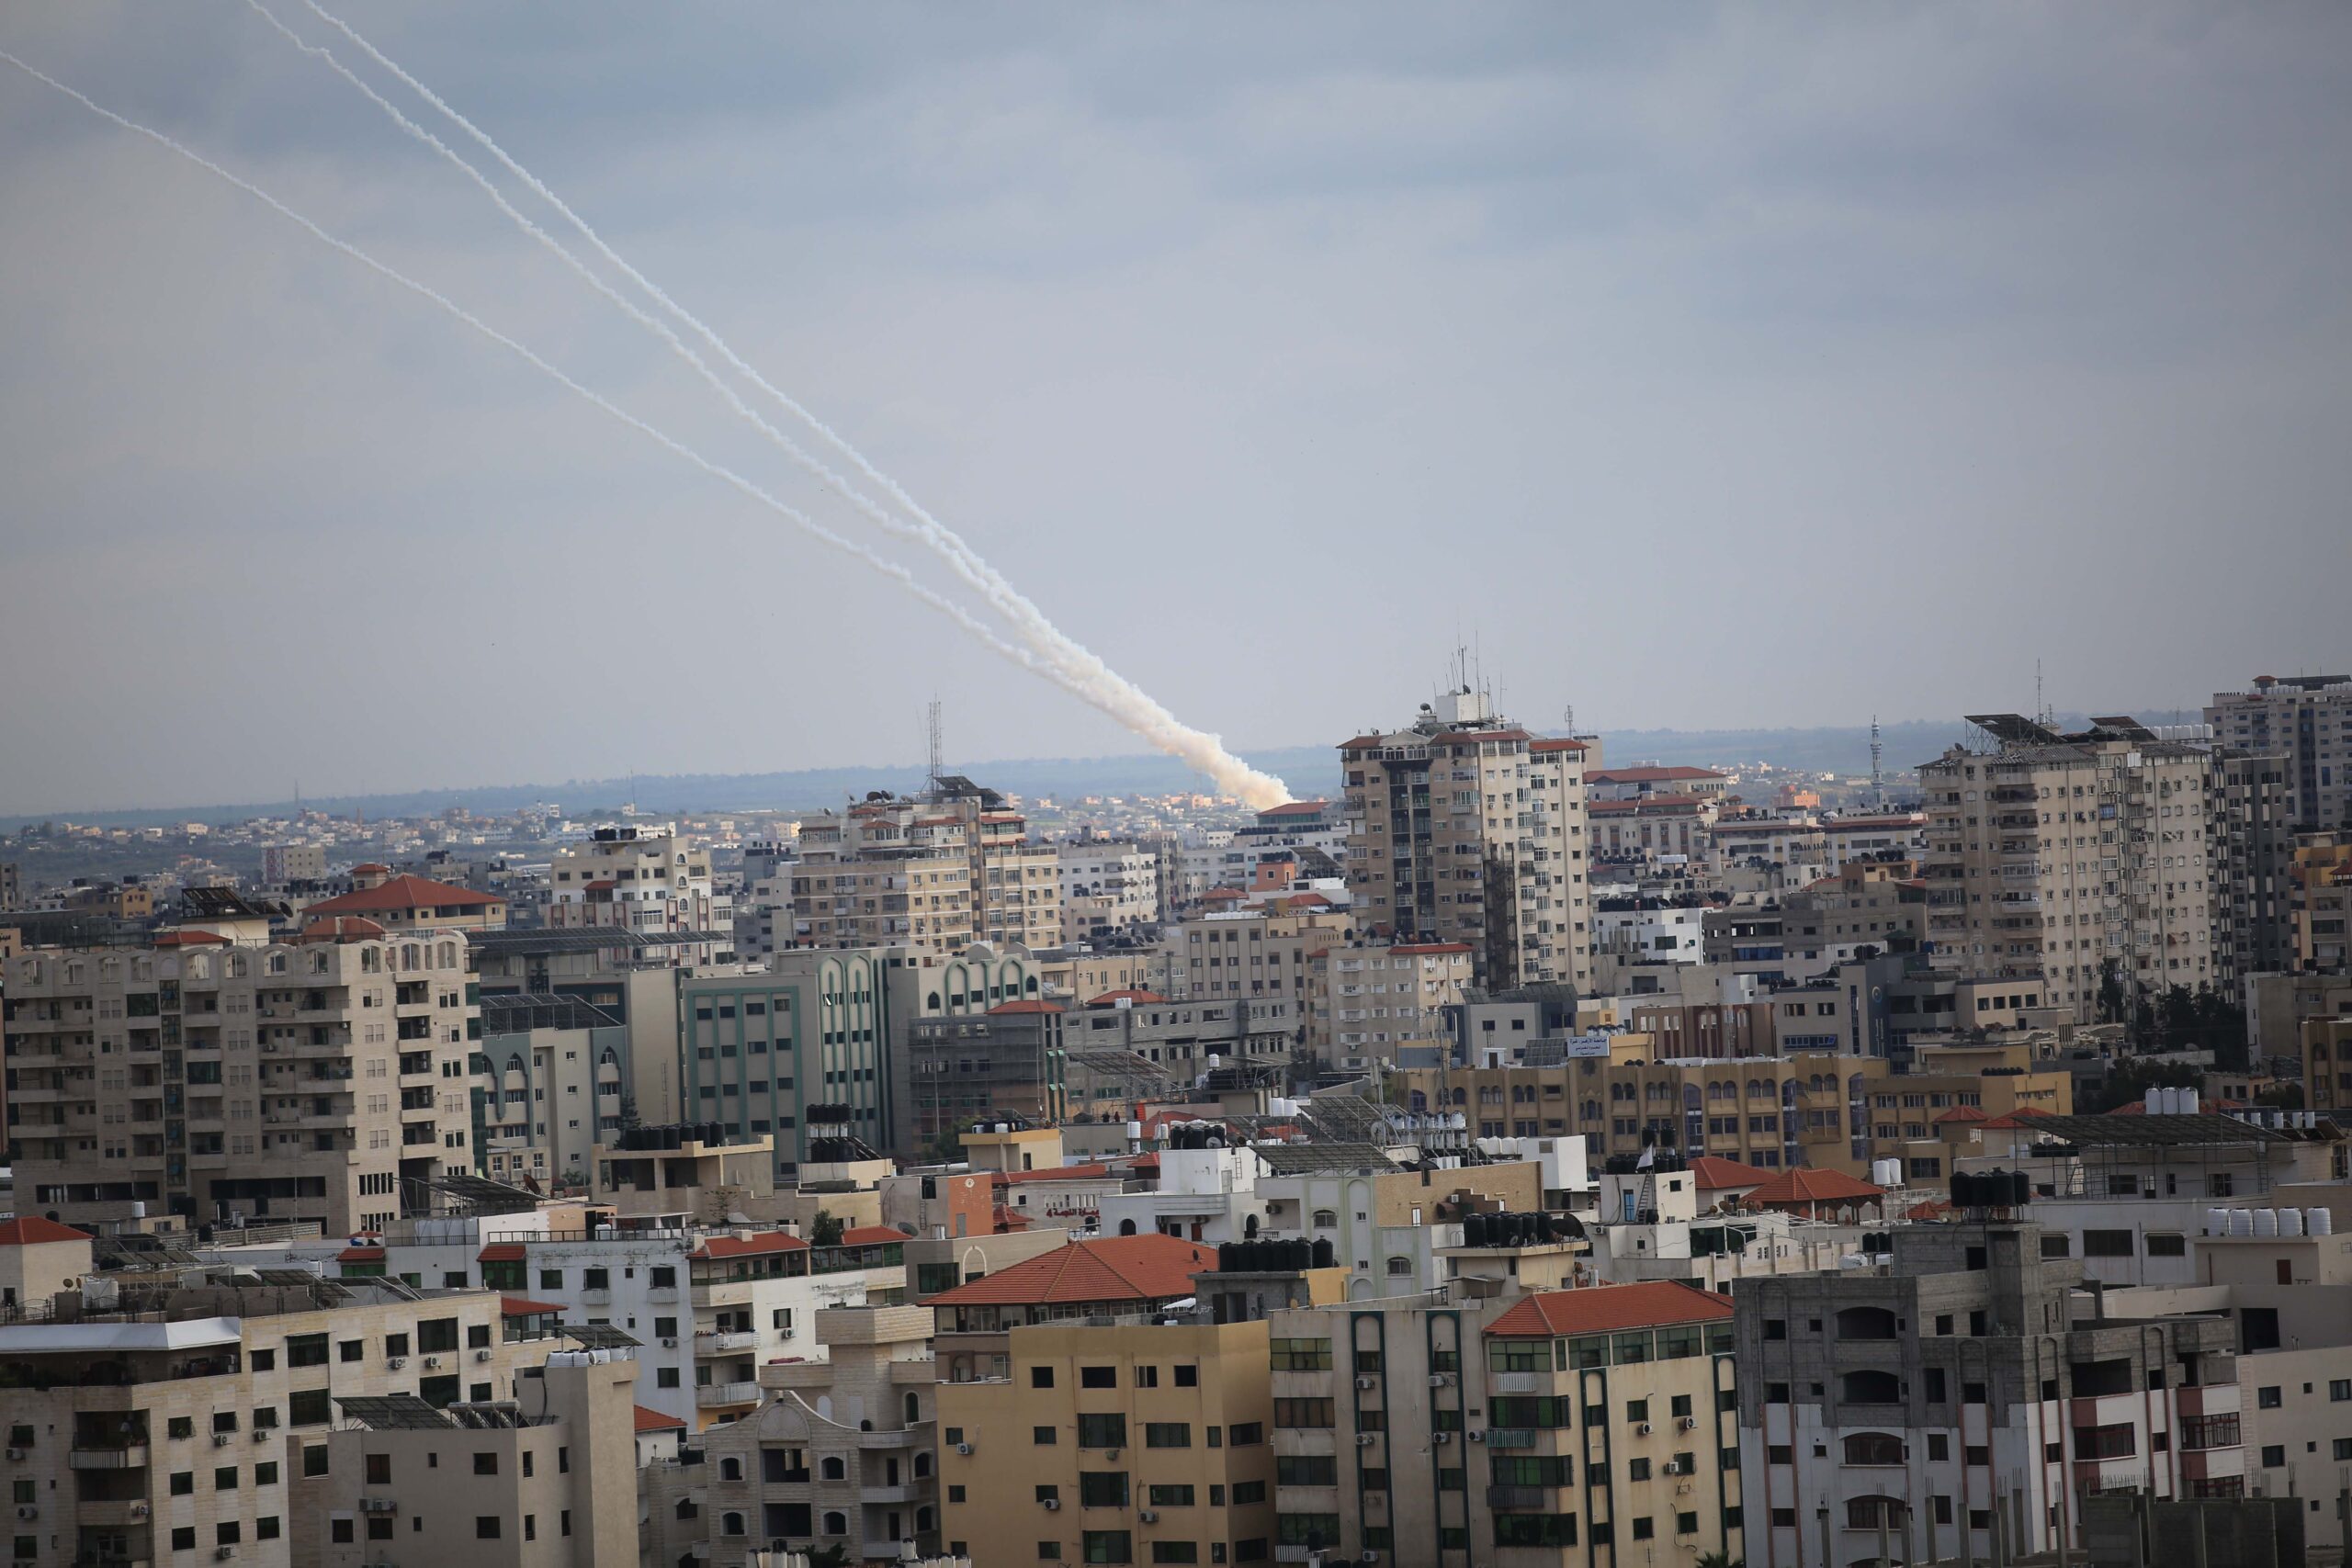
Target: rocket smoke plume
<point>1076,666</point>
<point>889,568</point>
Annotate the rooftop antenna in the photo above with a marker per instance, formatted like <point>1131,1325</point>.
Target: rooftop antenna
<point>1569,717</point>
<point>2041,713</point>
<point>1878,782</point>
<point>938,764</point>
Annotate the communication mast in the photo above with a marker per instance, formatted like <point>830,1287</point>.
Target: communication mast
<point>1878,782</point>
<point>938,754</point>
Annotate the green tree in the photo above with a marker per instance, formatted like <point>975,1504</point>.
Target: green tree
<point>824,1229</point>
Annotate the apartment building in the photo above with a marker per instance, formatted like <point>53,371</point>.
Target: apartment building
<point>1249,952</point>
<point>1453,838</point>
<point>1879,904</point>
<point>12,886</point>
<point>1384,1002</point>
<point>540,1480</point>
<point>1967,1377</point>
<point>843,1455</point>
<point>2070,858</point>
<point>2253,866</point>
<point>1639,782</point>
<point>180,1423</point>
<point>652,883</point>
<point>1652,829</point>
<point>1007,1064</point>
<point>2320,902</point>
<point>1109,886</point>
<point>758,1049</point>
<point>935,871</point>
<point>555,1080</point>
<point>282,864</point>
<point>1873,836</point>
<point>1142,1443</point>
<point>326,1079</point>
<point>1112,1277</point>
<point>2306,722</point>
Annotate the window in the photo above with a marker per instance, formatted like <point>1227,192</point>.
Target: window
<point>315,1460</point>
<point>1188,1375</point>
<point>1303,1413</point>
<point>2266,1398</point>
<point>486,1463</point>
<point>1175,1552</point>
<point>2339,1389</point>
<point>1043,1436</point>
<point>306,1350</point>
<point>1167,1434</point>
<point>1102,1431</point>
<point>1098,1377</point>
<point>1246,1434</point>
<point>1293,1356</point>
<point>1170,1496</point>
<point>309,1407</point>
<point>183,1483</point>
<point>485,1527</point>
<point>266,1473</point>
<point>1041,1377</point>
<point>1101,1488</point>
<point>351,1350</point>
<point>1108,1546</point>
<point>436,1333</point>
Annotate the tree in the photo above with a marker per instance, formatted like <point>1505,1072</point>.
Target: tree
<point>2282,1097</point>
<point>1719,1560</point>
<point>824,1229</point>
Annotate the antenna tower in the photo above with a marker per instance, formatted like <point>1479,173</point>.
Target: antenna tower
<point>938,763</point>
<point>1878,782</point>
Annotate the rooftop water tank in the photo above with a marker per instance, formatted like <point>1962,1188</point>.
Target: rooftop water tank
<point>2265,1221</point>
<point>2290,1222</point>
<point>2322,1222</point>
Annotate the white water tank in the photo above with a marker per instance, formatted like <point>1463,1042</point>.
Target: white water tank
<point>2322,1222</point>
<point>2265,1221</point>
<point>2217,1222</point>
<point>2188,1102</point>
<point>2290,1222</point>
<point>2241,1222</point>
<point>1886,1173</point>
<point>2155,1102</point>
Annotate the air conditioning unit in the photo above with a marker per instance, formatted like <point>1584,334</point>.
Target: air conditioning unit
<point>1110,1453</point>
<point>260,1434</point>
<point>222,1439</point>
<point>482,1355</point>
<point>397,1363</point>
<point>1148,1517</point>
<point>1674,1467</point>
<point>1479,1436</point>
<point>669,1344</point>
<point>1368,1556</point>
<point>1364,1439</point>
<point>1052,1504</point>
<point>224,1554</point>
<point>1688,1423</point>
<point>963,1448</point>
<point>1440,1436</point>
<point>1439,1380</point>
<point>1644,1428</point>
<point>378,1506</point>
<point>432,1363</point>
<point>1367,1383</point>
<point>16,1453</point>
<point>139,1510</point>
<point>27,1512</point>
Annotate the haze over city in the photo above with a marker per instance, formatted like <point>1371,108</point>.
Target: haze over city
<point>961,785</point>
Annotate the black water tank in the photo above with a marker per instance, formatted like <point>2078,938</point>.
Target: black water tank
<point>1473,1230</point>
<point>2021,1190</point>
<point>1964,1190</point>
<point>1302,1257</point>
<point>1225,1258</point>
<point>1326,1255</point>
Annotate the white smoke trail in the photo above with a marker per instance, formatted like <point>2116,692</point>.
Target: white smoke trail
<point>889,568</point>
<point>1124,701</point>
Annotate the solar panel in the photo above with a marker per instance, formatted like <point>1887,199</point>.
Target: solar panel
<point>1294,1159</point>
<point>601,1337</point>
<point>391,1411</point>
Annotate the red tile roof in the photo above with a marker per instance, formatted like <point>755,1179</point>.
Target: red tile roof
<point>738,1247</point>
<point>521,1306</point>
<point>655,1421</point>
<point>1961,1113</point>
<point>1112,1269</point>
<point>1416,949</point>
<point>33,1231</point>
<point>1130,995</point>
<point>1603,1309</point>
<point>1007,1221</point>
<point>360,1255</point>
<point>1715,1173</point>
<point>189,939</point>
<point>1024,1006</point>
<point>501,1252</point>
<point>1934,1207</point>
<point>1806,1185</point>
<point>404,892</point>
<point>2017,1118</point>
<point>1295,809</point>
<point>873,1235</point>
<point>1557,744</point>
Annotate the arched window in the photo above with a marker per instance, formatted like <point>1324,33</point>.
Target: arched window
<point>687,1509</point>
<point>833,1468</point>
<point>371,960</point>
<point>836,1523</point>
<point>1030,986</point>
<point>1399,1266</point>
<point>923,1458</point>
<point>730,1524</point>
<point>1327,1219</point>
<point>319,962</point>
<point>277,963</point>
<point>1874,1447</point>
<point>1249,1225</point>
<point>922,1516</point>
<point>730,1468</point>
<point>1126,1228</point>
<point>1871,1387</point>
<point>449,955</point>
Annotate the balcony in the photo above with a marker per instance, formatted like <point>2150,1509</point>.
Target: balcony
<point>719,1343</point>
<point>721,1395</point>
<point>1520,1496</point>
<point>129,1457</point>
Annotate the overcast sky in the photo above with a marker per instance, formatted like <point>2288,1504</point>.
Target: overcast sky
<point>1705,368</point>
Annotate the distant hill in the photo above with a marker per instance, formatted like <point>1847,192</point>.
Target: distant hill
<point>1310,769</point>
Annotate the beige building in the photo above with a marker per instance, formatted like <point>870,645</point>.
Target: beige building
<point>1109,886</point>
<point>282,864</point>
<point>1516,1440</point>
<point>2306,722</point>
<point>322,1079</point>
<point>1249,952</point>
<point>1144,1442</point>
<point>654,884</point>
<point>410,904</point>
<point>1371,1002</point>
<point>544,1478</point>
<point>935,871</point>
<point>841,1455</point>
<point>2067,858</point>
<point>177,1426</point>
<point>1459,830</point>
<point>37,1259</point>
